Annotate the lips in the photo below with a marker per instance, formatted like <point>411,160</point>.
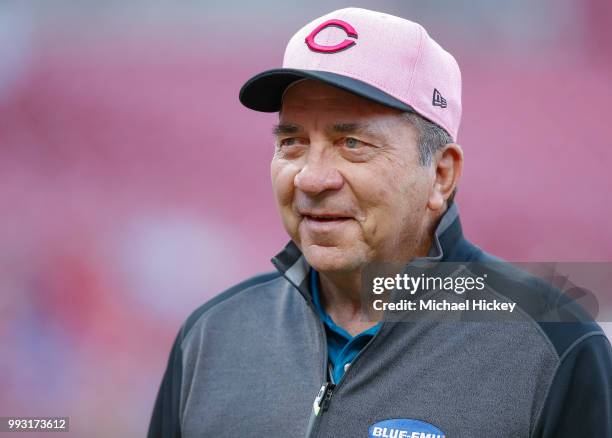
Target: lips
<point>325,217</point>
<point>325,223</point>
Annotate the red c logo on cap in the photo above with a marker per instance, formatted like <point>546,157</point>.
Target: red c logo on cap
<point>350,31</point>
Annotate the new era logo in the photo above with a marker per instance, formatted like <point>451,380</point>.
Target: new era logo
<point>438,100</point>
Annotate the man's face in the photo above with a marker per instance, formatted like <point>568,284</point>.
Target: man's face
<point>347,179</point>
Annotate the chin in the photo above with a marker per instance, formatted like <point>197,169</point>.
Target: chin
<point>332,258</point>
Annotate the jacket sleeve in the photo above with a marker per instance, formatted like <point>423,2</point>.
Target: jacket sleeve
<point>579,402</point>
<point>165,422</point>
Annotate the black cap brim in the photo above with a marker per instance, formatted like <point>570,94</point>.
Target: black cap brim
<point>264,91</point>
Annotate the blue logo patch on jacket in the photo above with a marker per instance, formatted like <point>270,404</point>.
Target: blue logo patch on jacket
<point>404,428</point>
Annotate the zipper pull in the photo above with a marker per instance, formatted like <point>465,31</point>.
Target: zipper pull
<point>318,406</point>
<point>323,397</point>
<point>328,394</point>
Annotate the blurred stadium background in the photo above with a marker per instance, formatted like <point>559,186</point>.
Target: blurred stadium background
<point>133,185</point>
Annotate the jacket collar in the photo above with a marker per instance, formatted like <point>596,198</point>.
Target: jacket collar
<point>448,238</point>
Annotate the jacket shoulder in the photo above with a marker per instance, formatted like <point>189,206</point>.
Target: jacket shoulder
<point>256,280</point>
<point>562,320</point>
<point>166,419</point>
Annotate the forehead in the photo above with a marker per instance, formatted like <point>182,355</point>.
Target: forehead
<point>309,97</point>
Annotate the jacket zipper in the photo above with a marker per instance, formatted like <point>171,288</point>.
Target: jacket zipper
<point>323,398</point>
<point>326,391</point>
<point>319,406</point>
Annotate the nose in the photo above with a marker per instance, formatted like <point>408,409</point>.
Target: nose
<point>318,175</point>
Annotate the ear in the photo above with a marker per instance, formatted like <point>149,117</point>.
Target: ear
<point>448,166</point>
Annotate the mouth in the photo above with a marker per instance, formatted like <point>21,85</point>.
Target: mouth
<point>325,218</point>
<point>325,222</point>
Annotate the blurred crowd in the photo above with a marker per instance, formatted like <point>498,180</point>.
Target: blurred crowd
<point>133,185</point>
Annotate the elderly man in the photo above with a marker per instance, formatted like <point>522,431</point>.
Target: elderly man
<point>364,171</point>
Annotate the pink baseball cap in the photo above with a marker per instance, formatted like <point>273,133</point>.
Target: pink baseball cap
<point>381,57</point>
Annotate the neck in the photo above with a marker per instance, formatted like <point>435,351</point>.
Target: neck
<point>340,292</point>
<point>340,296</point>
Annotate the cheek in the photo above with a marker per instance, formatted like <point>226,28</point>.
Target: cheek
<point>384,190</point>
<point>283,175</point>
<point>393,196</point>
<point>282,182</point>
<point>386,209</point>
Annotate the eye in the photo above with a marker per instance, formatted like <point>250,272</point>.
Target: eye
<point>290,142</point>
<point>287,141</point>
<point>352,143</point>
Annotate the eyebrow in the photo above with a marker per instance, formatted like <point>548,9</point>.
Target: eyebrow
<point>341,128</point>
<point>350,128</point>
<point>286,128</point>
